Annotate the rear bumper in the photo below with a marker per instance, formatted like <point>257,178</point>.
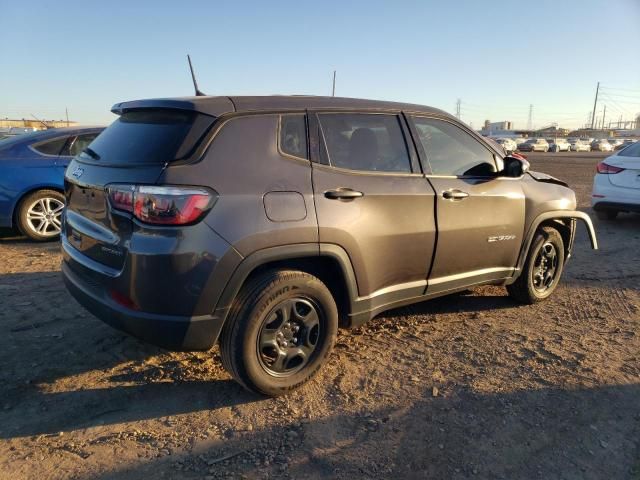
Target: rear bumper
<point>607,196</point>
<point>168,331</point>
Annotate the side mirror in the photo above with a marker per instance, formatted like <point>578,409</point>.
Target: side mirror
<point>515,166</point>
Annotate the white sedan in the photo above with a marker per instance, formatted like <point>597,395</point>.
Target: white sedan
<point>616,185</point>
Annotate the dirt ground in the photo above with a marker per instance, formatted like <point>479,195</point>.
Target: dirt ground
<point>467,386</point>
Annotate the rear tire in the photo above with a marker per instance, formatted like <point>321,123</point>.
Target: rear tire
<point>39,215</point>
<point>280,331</point>
<point>542,269</point>
<point>606,214</point>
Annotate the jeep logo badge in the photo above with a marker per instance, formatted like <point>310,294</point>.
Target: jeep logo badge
<point>77,172</point>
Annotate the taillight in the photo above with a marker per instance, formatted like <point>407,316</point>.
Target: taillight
<point>607,169</point>
<point>162,205</point>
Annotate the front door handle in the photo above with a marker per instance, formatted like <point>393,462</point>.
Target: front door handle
<point>343,194</point>
<point>455,194</point>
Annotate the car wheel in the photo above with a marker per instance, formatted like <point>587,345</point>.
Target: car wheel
<point>542,269</point>
<point>606,214</point>
<point>280,331</point>
<point>39,215</point>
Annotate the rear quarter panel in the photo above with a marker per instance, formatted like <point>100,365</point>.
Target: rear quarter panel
<point>243,164</point>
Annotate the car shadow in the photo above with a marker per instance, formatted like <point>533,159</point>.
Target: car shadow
<point>9,235</point>
<point>50,340</point>
<point>467,301</point>
<point>585,433</point>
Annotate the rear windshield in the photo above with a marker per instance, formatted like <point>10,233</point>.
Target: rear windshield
<point>632,150</point>
<point>149,136</point>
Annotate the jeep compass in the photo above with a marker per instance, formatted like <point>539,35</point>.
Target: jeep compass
<point>265,223</point>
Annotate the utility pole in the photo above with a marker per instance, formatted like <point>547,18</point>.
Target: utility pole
<point>604,116</point>
<point>595,102</point>
<point>333,90</point>
<point>66,111</point>
<point>458,109</point>
<point>530,121</point>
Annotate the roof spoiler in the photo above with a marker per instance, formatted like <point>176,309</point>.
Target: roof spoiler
<point>214,106</point>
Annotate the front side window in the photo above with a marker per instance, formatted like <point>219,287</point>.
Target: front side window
<point>52,147</point>
<point>451,151</point>
<point>293,135</point>
<point>366,142</point>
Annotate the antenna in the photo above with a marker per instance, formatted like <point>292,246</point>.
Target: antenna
<point>193,77</point>
<point>333,89</point>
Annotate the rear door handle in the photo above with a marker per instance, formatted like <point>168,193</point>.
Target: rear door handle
<point>455,194</point>
<point>343,194</point>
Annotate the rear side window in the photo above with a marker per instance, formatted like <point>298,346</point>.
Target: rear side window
<point>78,143</point>
<point>369,142</point>
<point>451,151</point>
<point>149,136</point>
<point>293,135</point>
<point>52,147</point>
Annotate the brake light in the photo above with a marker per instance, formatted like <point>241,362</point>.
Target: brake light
<point>607,169</point>
<point>162,205</point>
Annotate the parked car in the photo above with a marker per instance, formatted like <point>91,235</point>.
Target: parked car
<point>624,144</point>
<point>558,145</point>
<point>508,144</point>
<point>580,146</point>
<point>32,178</point>
<point>519,140</point>
<point>601,146</point>
<point>616,185</point>
<point>534,145</point>
<point>614,142</point>
<point>248,221</point>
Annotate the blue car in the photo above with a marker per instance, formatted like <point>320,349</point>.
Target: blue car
<point>32,178</point>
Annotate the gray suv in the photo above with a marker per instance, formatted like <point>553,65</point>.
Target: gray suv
<point>264,223</point>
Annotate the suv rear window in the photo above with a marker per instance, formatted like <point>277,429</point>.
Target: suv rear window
<point>149,136</point>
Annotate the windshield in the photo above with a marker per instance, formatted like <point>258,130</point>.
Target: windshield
<point>148,136</point>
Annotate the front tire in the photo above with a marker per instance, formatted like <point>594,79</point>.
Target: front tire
<point>542,269</point>
<point>280,331</point>
<point>39,215</point>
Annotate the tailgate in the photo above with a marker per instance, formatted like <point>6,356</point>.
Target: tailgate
<point>133,150</point>
<point>91,227</point>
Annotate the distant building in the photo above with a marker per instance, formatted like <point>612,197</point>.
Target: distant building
<point>498,129</point>
<point>591,133</point>
<point>35,124</point>
<point>552,131</point>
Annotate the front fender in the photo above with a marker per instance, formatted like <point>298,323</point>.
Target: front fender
<point>555,215</point>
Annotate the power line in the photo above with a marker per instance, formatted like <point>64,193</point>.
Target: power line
<point>617,105</point>
<point>623,89</point>
<point>622,96</point>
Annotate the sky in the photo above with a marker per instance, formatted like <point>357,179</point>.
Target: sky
<point>498,57</point>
